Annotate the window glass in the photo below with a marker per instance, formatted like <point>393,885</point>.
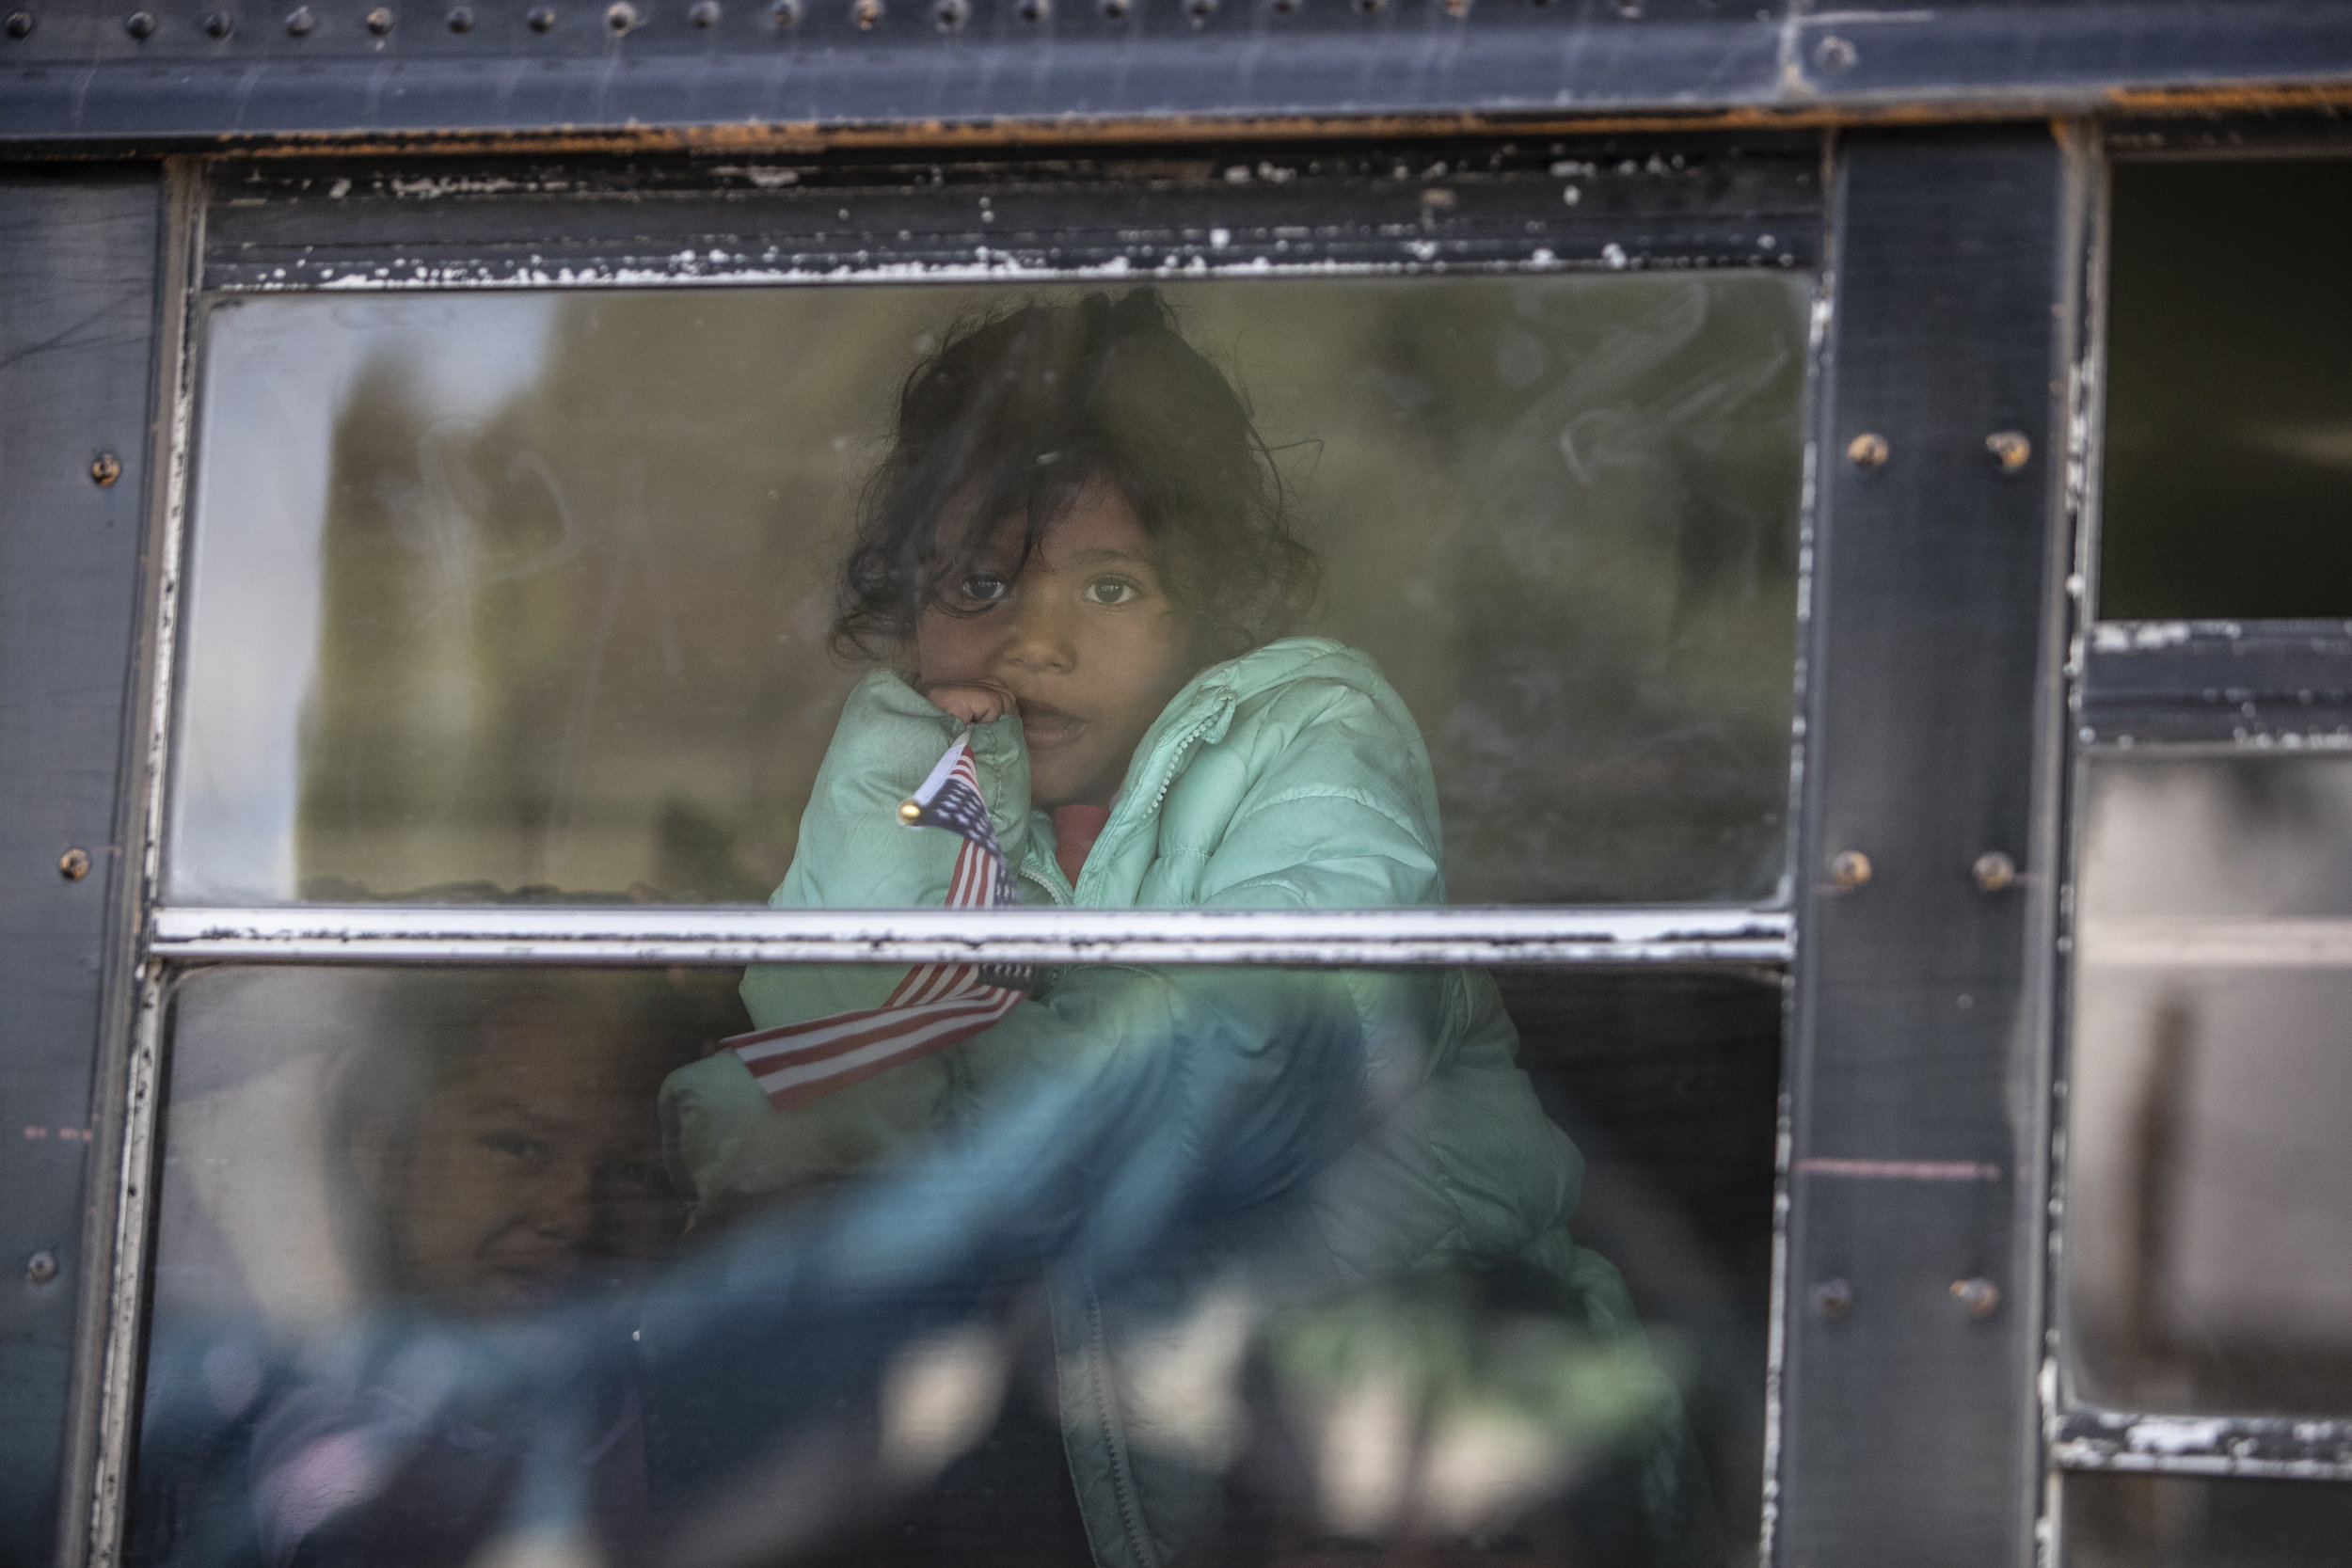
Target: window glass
<point>444,1266</point>
<point>2209,1185</point>
<point>2119,1521</point>
<point>528,595</point>
<point>2228,425</point>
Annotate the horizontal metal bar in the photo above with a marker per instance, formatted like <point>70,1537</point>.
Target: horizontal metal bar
<point>83,74</point>
<point>2173,943</point>
<point>2277,1447</point>
<point>636,935</point>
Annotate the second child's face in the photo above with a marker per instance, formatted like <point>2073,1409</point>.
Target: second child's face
<point>1083,639</point>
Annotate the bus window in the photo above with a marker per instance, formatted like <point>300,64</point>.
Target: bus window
<point>2209,1188</point>
<point>2229,420</point>
<point>527,596</point>
<point>441,1262</point>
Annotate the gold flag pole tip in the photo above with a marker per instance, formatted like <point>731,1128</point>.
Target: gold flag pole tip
<point>910,812</point>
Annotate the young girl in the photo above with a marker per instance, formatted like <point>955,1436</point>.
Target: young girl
<point>1076,549</point>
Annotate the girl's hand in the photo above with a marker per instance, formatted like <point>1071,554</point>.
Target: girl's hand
<point>973,701</point>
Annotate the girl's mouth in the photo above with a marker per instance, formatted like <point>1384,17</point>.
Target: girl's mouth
<point>1044,726</point>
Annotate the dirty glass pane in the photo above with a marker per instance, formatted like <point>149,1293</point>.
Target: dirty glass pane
<point>2119,1521</point>
<point>533,595</point>
<point>444,1268</point>
<point>2229,429</point>
<point>2209,1185</point>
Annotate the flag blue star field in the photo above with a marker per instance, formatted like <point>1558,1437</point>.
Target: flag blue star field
<point>935,1005</point>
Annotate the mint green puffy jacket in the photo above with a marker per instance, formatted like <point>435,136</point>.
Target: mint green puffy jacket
<point>1292,777</point>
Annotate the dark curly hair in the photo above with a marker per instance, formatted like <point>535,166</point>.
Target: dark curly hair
<point>1018,413</point>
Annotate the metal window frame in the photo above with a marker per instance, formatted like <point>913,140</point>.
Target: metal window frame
<point>169,940</point>
<point>2164,691</point>
<point>1454,210</point>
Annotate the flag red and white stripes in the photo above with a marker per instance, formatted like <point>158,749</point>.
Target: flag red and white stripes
<point>935,1005</point>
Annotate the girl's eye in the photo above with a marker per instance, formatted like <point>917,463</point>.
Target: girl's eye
<point>1108,590</point>
<point>985,588</point>
<point>517,1146</point>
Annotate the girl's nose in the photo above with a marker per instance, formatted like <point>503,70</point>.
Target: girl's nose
<point>1039,635</point>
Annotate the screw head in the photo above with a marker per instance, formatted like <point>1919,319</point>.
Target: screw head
<point>139,25</point>
<point>1835,54</point>
<point>2010,449</point>
<point>950,14</point>
<point>379,21</point>
<point>865,14</point>
<point>1114,8</point>
<point>540,19</point>
<point>1867,450</point>
<point>41,1267</point>
<point>1034,11</point>
<point>20,25</point>
<point>1833,1298</point>
<point>788,13</point>
<point>220,24</point>
<point>1848,869</point>
<point>299,22</point>
<point>1994,871</point>
<point>104,469</point>
<point>1977,1297</point>
<point>620,15</point>
<point>460,18</point>
<point>705,14</point>
<point>1199,11</point>
<point>74,865</point>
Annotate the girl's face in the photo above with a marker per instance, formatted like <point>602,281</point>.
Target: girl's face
<point>1083,637</point>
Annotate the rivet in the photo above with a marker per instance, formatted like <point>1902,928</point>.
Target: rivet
<point>1114,8</point>
<point>139,25</point>
<point>1833,1298</point>
<point>1848,869</point>
<point>104,469</point>
<point>1977,1297</point>
<point>1199,11</point>
<point>1036,11</point>
<point>220,24</point>
<point>299,22</point>
<point>74,865</point>
<point>1994,871</point>
<point>540,19</point>
<point>1867,450</point>
<point>1282,8</point>
<point>865,14</point>
<point>705,14</point>
<point>788,13</point>
<point>461,19</point>
<point>2010,449</point>
<point>620,15</point>
<point>379,22</point>
<point>41,1267</point>
<point>1456,7</point>
<point>1835,54</point>
<point>950,14</point>
<point>1370,7</point>
<point>20,25</point>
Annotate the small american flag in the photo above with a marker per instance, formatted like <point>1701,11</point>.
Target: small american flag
<point>936,1005</point>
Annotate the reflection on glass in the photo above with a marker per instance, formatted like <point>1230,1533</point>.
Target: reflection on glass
<point>2209,1204</point>
<point>1300,1269</point>
<point>2229,434</point>
<point>2119,1521</point>
<point>534,596</point>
